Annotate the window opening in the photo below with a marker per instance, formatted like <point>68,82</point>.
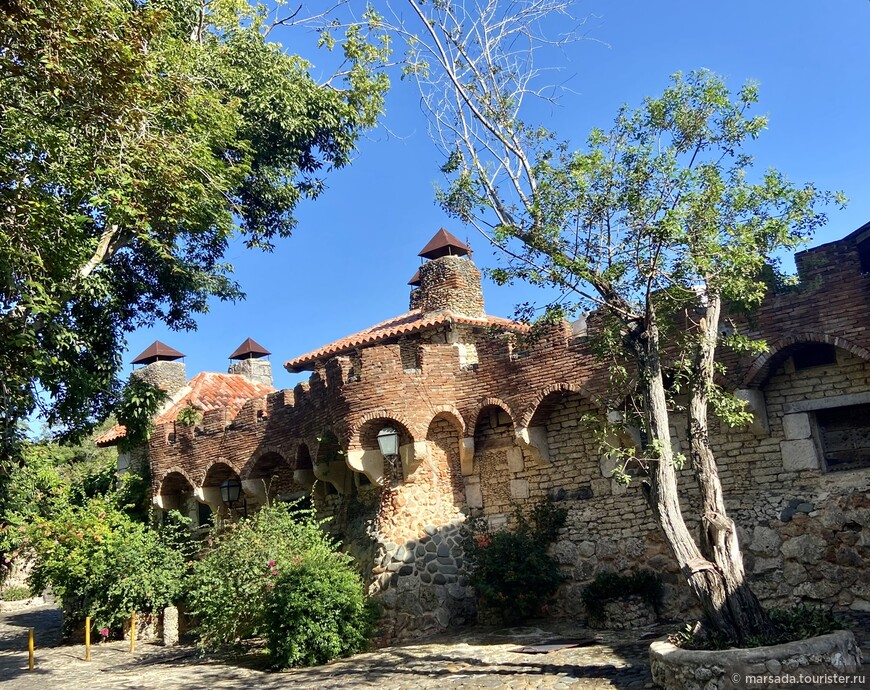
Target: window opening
<point>845,436</point>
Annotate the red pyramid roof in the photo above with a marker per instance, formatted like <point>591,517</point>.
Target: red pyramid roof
<point>158,351</point>
<point>444,244</point>
<point>415,280</point>
<point>249,349</point>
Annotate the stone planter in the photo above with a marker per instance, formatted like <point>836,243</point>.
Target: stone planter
<point>793,665</point>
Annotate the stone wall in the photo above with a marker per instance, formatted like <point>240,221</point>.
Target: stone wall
<point>168,376</point>
<point>257,370</point>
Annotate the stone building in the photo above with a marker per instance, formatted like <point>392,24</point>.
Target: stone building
<point>486,425</point>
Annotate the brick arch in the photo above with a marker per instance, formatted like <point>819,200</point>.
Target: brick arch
<point>490,402</point>
<point>213,463</point>
<point>354,442</point>
<point>760,369</point>
<point>174,470</point>
<point>533,406</point>
<point>297,448</point>
<point>451,413</point>
<point>256,457</point>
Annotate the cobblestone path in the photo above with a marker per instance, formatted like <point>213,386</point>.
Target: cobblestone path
<point>476,658</point>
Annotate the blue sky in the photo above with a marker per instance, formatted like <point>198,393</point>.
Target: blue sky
<point>347,265</point>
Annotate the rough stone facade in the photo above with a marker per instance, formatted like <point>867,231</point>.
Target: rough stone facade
<point>485,426</point>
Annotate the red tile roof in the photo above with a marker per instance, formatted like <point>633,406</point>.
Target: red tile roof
<point>207,391</point>
<point>211,391</point>
<point>411,322</point>
<point>116,433</point>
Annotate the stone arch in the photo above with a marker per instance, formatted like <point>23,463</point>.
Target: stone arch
<point>445,438</point>
<point>303,472</point>
<point>532,431</point>
<point>367,458</point>
<point>330,462</point>
<point>216,471</point>
<point>177,491</point>
<point>175,469</point>
<point>209,491</point>
<point>354,432</point>
<point>302,457</point>
<point>491,402</point>
<point>449,412</point>
<point>490,489</point>
<point>465,444</point>
<point>264,452</point>
<point>534,406</point>
<point>269,475</point>
<point>778,350</point>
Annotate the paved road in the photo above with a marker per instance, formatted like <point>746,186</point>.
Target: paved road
<point>476,658</point>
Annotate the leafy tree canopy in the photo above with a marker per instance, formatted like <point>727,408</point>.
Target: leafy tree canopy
<point>138,137</point>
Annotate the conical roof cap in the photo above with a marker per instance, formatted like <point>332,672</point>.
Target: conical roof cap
<point>250,349</point>
<point>444,244</point>
<point>158,352</point>
<point>415,280</point>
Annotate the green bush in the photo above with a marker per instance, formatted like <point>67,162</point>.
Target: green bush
<point>235,583</point>
<point>15,593</point>
<point>102,563</point>
<point>608,586</point>
<point>512,571</point>
<point>316,611</point>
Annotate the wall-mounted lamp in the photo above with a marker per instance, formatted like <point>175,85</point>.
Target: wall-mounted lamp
<point>388,442</point>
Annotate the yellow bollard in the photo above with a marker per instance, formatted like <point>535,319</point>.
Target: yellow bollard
<point>87,638</point>
<point>132,632</point>
<point>30,649</point>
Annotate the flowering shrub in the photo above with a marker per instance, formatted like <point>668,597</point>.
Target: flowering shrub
<point>512,571</point>
<point>103,564</point>
<point>248,584</point>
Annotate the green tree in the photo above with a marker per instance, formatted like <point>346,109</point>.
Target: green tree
<point>138,137</point>
<point>656,224</point>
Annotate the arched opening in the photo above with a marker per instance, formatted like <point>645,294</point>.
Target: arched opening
<point>217,474</point>
<point>176,493</point>
<point>818,401</point>
<point>271,478</point>
<point>444,437</point>
<point>330,465</point>
<point>488,488</point>
<point>373,462</point>
<point>569,421</point>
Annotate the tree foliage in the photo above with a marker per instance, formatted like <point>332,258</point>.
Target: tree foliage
<point>137,139</point>
<point>655,224</point>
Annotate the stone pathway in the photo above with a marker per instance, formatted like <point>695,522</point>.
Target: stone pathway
<point>475,658</point>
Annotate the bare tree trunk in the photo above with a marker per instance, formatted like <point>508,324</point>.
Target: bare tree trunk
<point>704,577</point>
<point>719,541</point>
